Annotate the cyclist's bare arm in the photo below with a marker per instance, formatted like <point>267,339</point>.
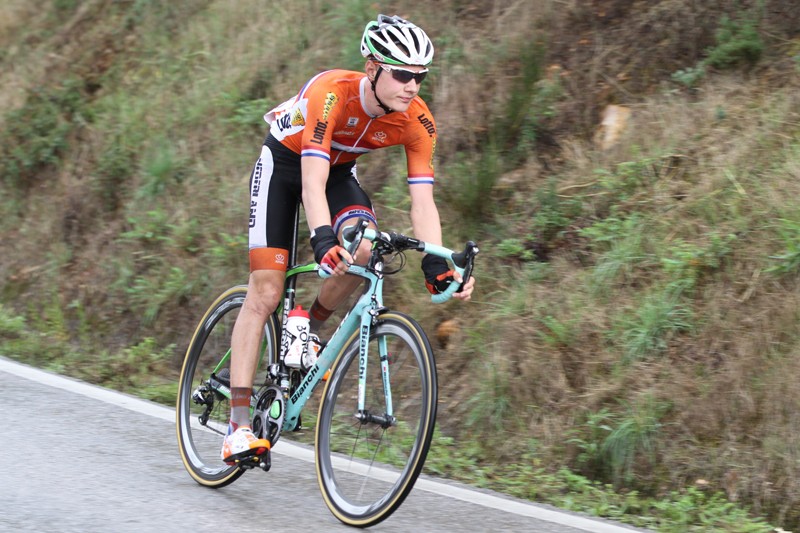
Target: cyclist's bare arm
<point>427,227</point>
<point>315,176</point>
<point>425,214</point>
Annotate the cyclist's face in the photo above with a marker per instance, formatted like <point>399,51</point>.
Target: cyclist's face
<point>397,86</point>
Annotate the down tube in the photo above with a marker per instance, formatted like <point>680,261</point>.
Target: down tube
<point>303,392</point>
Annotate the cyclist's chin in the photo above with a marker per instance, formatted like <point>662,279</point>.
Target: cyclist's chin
<point>401,104</point>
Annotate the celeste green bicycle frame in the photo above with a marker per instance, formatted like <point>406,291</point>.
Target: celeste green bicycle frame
<point>356,324</point>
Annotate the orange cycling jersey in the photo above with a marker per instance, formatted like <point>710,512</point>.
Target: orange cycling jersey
<point>328,119</point>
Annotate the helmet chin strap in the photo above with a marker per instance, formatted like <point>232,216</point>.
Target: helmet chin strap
<point>373,81</point>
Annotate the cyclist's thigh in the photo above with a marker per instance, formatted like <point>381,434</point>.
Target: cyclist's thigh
<point>274,194</point>
<point>346,199</point>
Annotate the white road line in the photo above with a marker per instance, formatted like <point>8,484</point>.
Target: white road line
<point>304,454</point>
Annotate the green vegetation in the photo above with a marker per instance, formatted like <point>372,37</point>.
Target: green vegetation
<point>633,345</point>
<point>738,42</point>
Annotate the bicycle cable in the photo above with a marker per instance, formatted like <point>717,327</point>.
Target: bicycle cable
<point>395,255</point>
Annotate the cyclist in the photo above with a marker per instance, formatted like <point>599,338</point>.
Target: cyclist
<point>310,155</point>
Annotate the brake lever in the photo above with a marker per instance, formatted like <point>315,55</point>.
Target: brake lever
<point>466,260</point>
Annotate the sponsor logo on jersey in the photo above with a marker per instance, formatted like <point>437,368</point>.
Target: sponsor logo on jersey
<point>256,183</point>
<point>289,120</point>
<point>352,122</point>
<point>379,137</point>
<point>345,133</point>
<point>298,119</point>
<point>253,209</point>
<point>319,132</point>
<point>433,151</point>
<point>330,101</point>
<point>353,213</point>
<point>427,124</point>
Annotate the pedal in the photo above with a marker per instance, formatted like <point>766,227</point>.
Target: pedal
<point>252,459</point>
<point>265,462</point>
<point>262,461</point>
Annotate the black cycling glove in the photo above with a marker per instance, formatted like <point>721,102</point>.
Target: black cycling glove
<point>438,274</point>
<point>326,248</point>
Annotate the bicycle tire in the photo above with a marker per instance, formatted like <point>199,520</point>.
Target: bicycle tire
<point>357,490</point>
<point>200,444</point>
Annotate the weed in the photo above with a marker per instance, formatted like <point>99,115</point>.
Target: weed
<point>491,407</point>
<point>115,166</point>
<point>515,247</point>
<point>446,457</point>
<point>621,243</point>
<point>228,250</point>
<point>644,332</point>
<point>151,293</point>
<point>11,325</point>
<point>558,333</point>
<point>695,510</point>
<point>553,213</point>
<point>589,440</point>
<point>690,77</point>
<point>635,436</point>
<point>140,367</point>
<point>788,261</point>
<point>152,229</point>
<point>161,166</point>
<point>247,113</point>
<point>738,42</point>
<point>684,262</point>
<point>513,130</point>
<point>472,180</point>
<point>37,134</point>
<point>610,444</point>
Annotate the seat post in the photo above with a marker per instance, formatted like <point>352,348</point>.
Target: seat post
<point>291,282</point>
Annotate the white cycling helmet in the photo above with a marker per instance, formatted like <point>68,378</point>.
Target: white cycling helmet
<point>396,41</point>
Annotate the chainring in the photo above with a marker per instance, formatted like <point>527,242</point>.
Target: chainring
<point>268,414</point>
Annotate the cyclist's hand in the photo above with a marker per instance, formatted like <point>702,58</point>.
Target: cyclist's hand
<point>465,292</point>
<point>336,261</point>
<point>332,258</point>
<point>438,277</point>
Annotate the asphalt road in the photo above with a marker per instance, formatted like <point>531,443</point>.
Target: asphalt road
<point>79,458</point>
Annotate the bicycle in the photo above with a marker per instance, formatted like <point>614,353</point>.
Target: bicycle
<point>364,417</point>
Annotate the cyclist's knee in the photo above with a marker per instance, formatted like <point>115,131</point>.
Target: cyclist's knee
<point>363,252</point>
<point>264,291</point>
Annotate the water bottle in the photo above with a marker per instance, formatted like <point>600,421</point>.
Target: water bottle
<point>297,329</point>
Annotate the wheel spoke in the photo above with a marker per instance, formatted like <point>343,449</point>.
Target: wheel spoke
<point>203,407</point>
<point>368,462</point>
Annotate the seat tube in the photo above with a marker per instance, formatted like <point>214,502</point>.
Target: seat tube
<point>291,282</point>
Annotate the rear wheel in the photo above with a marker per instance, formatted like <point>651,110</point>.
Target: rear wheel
<point>367,462</point>
<point>203,405</point>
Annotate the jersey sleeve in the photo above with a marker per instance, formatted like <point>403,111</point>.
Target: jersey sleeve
<point>324,107</point>
<point>420,148</point>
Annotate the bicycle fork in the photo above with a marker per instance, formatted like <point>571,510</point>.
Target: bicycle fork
<point>385,420</point>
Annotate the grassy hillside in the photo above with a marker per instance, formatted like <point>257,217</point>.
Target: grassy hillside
<point>634,344</point>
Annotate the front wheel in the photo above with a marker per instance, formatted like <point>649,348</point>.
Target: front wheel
<point>203,406</point>
<point>367,462</point>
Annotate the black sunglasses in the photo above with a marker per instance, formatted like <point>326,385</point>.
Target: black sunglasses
<point>404,75</point>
